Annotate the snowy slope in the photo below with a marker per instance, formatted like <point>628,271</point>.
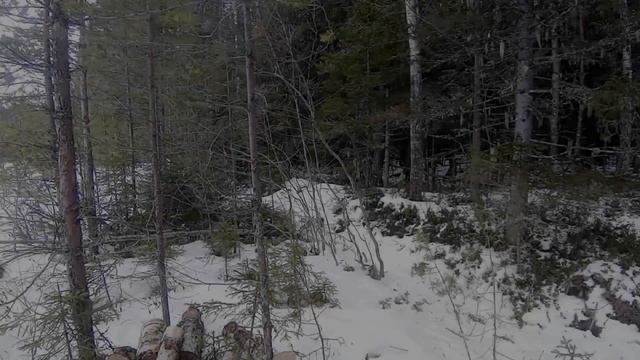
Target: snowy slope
<point>418,326</point>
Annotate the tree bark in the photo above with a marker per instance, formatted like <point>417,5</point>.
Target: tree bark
<point>132,154</point>
<point>555,92</point>
<point>286,355</point>
<point>476,141</point>
<point>581,75</point>
<point>150,339</point>
<point>417,122</point>
<point>386,165</point>
<point>51,112</point>
<point>626,118</point>
<point>252,114</point>
<point>161,266</point>
<point>48,87</point>
<point>193,339</point>
<point>171,343</point>
<point>89,166</point>
<point>117,357</point>
<point>516,216</point>
<point>81,306</point>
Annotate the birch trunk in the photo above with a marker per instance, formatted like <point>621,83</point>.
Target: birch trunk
<point>157,170</point>
<point>286,355</point>
<point>116,357</point>
<point>516,216</point>
<point>417,123</point>
<point>171,343</point>
<point>81,306</point>
<point>150,339</point>
<point>193,339</point>
<point>252,112</point>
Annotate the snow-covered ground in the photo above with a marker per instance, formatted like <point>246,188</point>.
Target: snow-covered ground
<point>417,323</point>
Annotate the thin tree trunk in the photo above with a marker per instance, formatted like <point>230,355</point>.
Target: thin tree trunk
<point>555,92</point>
<point>581,75</point>
<point>89,166</point>
<point>516,216</point>
<point>263,266</point>
<point>385,166</point>
<point>476,141</point>
<point>132,155</point>
<point>81,306</point>
<point>417,123</point>
<point>230,127</point>
<point>376,273</point>
<point>626,118</point>
<point>157,170</point>
<point>48,87</point>
<point>51,112</point>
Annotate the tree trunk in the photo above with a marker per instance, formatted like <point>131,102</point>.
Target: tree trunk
<point>150,339</point>
<point>193,339</point>
<point>89,166</point>
<point>555,93</point>
<point>81,306</point>
<point>116,357</point>
<point>581,75</point>
<point>132,155</point>
<point>385,166</point>
<point>263,266</point>
<point>51,112</point>
<point>516,216</point>
<point>171,343</point>
<point>476,141</point>
<point>48,87</point>
<point>286,355</point>
<point>417,123</point>
<point>157,170</point>
<point>626,117</point>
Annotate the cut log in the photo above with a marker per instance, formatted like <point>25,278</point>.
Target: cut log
<point>286,355</point>
<point>127,352</point>
<point>116,357</point>
<point>193,339</point>
<point>171,343</point>
<point>150,339</point>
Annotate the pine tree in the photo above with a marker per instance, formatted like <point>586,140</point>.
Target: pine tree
<point>81,306</point>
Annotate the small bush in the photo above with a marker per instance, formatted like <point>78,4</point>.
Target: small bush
<point>278,225</point>
<point>398,222</point>
<point>449,227</point>
<point>371,199</point>
<point>224,240</point>
<point>603,239</point>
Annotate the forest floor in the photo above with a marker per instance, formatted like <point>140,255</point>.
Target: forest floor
<point>444,311</point>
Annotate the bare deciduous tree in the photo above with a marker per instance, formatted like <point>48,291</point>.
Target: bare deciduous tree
<point>252,114</point>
